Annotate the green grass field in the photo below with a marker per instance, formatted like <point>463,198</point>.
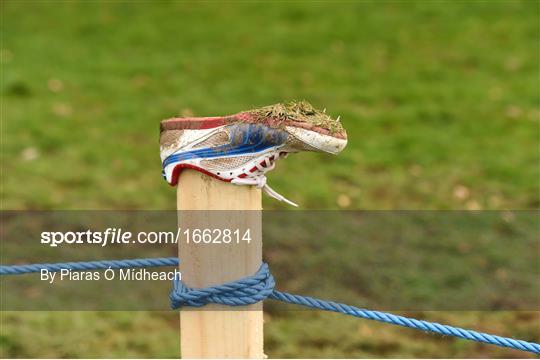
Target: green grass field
<point>440,99</point>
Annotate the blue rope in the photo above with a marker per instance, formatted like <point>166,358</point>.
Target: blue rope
<point>88,265</point>
<point>260,286</point>
<point>249,290</point>
<point>388,318</point>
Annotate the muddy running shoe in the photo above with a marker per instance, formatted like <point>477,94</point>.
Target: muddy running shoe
<point>242,148</point>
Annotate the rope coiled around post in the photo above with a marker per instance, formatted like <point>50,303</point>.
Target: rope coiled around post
<point>259,287</point>
<point>246,291</point>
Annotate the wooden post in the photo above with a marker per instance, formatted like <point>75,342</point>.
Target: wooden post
<point>217,331</point>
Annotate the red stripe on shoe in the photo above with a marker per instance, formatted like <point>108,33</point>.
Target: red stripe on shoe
<point>178,169</point>
<point>192,123</point>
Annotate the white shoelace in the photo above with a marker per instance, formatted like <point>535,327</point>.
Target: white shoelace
<point>258,177</point>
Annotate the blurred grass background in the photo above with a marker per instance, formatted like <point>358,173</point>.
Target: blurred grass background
<point>440,100</point>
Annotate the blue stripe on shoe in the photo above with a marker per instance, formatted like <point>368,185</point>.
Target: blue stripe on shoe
<point>244,139</point>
